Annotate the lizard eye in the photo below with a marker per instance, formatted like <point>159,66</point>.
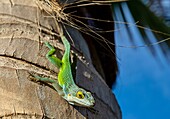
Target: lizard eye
<point>80,95</point>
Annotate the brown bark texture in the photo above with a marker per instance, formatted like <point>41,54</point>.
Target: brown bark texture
<point>21,52</point>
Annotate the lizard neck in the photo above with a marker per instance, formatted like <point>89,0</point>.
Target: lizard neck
<point>72,88</point>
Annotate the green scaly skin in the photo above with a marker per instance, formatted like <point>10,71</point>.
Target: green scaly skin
<point>65,85</point>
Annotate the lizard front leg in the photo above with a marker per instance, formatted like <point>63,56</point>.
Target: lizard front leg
<point>53,82</point>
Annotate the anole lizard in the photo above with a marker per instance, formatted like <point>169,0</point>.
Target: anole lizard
<point>66,86</point>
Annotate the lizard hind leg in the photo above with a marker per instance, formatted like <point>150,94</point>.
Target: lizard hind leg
<point>50,56</point>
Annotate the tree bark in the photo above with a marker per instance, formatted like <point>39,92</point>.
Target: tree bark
<point>21,52</point>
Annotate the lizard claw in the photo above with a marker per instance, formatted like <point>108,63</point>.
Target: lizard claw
<point>48,45</point>
<point>32,77</point>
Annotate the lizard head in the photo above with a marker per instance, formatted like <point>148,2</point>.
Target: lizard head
<point>81,98</point>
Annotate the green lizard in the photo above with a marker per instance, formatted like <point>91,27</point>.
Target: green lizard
<point>66,86</point>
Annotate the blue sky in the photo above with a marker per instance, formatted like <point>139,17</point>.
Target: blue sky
<point>143,88</point>
<point>143,83</point>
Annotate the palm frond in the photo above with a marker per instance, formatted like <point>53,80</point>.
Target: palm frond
<point>147,20</point>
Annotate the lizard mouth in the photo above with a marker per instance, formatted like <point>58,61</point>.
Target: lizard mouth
<point>82,103</point>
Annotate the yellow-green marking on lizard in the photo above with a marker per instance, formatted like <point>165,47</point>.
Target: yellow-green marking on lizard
<point>66,86</point>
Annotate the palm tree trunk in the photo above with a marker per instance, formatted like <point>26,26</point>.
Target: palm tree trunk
<point>21,53</point>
